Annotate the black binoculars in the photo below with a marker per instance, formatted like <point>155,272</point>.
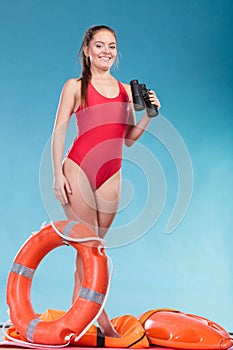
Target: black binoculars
<point>141,99</point>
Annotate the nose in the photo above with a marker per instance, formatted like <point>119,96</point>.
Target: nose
<point>106,49</point>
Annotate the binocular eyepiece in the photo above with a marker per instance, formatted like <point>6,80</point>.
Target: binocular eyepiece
<point>141,99</point>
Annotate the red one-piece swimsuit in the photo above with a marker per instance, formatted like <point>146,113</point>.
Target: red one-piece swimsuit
<point>97,149</point>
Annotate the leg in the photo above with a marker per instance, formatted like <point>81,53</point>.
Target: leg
<point>107,200</point>
<point>84,208</point>
<point>80,209</point>
<point>81,202</point>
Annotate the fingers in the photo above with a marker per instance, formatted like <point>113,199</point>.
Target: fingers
<point>154,99</point>
<point>61,188</point>
<point>60,194</point>
<point>68,187</point>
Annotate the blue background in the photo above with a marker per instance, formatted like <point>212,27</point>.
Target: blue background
<point>183,50</point>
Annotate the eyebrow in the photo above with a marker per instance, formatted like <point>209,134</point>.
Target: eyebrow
<point>102,42</point>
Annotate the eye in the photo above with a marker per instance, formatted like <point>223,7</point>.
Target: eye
<point>112,47</point>
<point>99,46</point>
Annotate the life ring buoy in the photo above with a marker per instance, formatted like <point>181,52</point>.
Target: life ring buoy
<point>91,296</point>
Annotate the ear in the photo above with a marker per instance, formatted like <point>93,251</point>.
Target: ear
<point>85,50</point>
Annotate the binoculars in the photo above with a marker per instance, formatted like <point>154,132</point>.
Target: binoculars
<point>141,99</point>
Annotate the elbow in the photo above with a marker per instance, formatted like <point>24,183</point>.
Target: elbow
<point>129,142</point>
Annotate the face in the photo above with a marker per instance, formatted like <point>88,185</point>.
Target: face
<point>102,50</point>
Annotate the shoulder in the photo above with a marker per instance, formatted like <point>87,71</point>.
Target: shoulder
<point>72,85</point>
<point>127,89</point>
<point>126,86</point>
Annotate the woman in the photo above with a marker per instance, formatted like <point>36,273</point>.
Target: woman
<point>87,182</point>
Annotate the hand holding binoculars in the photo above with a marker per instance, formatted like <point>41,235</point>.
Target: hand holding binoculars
<point>141,99</point>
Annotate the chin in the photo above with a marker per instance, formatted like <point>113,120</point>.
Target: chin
<point>106,66</point>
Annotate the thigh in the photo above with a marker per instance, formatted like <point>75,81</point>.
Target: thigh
<point>107,198</point>
<point>81,202</point>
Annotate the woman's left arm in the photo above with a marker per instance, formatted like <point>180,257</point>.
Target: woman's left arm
<point>134,131</point>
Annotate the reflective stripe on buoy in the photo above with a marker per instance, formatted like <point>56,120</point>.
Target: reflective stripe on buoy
<point>31,328</point>
<point>91,295</point>
<point>67,229</point>
<point>22,270</point>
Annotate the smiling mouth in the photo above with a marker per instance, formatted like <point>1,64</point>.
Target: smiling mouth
<point>105,58</point>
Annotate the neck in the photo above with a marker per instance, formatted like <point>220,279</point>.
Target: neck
<point>100,74</point>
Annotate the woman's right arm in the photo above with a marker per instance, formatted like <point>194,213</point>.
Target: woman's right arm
<point>67,103</point>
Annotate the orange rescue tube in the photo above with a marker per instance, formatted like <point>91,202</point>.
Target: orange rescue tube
<point>92,293</point>
<point>175,329</point>
<point>132,335</point>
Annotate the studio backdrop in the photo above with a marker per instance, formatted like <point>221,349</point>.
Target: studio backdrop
<point>171,241</point>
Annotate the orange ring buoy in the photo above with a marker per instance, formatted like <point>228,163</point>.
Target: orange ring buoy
<point>91,295</point>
